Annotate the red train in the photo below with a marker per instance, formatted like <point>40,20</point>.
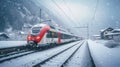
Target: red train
<point>43,34</point>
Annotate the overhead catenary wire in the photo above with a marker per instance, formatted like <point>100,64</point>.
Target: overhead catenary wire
<point>43,3</point>
<point>69,10</point>
<point>93,17</point>
<point>62,11</point>
<point>96,7</point>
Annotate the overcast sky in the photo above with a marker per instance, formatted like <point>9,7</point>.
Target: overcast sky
<point>98,14</point>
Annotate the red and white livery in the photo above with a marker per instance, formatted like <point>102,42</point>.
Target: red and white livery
<point>42,34</point>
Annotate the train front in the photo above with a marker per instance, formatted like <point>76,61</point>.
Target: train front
<point>34,36</point>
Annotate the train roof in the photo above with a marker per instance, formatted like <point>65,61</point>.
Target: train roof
<point>55,29</point>
<point>64,31</point>
<point>39,25</point>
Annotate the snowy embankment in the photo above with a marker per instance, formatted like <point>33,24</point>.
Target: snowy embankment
<point>105,56</point>
<point>81,58</point>
<point>35,58</point>
<point>9,44</point>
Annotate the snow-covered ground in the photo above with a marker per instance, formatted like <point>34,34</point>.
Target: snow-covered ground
<point>105,56</point>
<point>8,44</point>
<point>32,59</point>
<point>81,58</point>
<point>60,59</point>
<point>109,43</point>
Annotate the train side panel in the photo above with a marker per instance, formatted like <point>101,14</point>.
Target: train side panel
<point>53,38</point>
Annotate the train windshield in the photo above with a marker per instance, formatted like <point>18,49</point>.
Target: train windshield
<point>36,29</point>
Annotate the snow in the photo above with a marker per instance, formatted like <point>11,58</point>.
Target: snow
<point>39,25</point>
<point>8,44</point>
<point>22,14</point>
<point>27,11</point>
<point>112,44</point>
<point>102,30</point>
<point>60,59</point>
<point>117,30</point>
<point>81,58</point>
<point>17,36</point>
<point>14,55</point>
<point>32,59</point>
<point>27,25</point>
<point>104,56</point>
<point>112,34</point>
<point>9,29</point>
<point>2,33</point>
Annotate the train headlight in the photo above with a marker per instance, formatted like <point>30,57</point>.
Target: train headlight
<point>37,37</point>
<point>29,37</point>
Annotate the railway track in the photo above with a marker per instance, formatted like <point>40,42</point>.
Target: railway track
<point>12,53</point>
<point>17,54</point>
<point>4,51</point>
<point>16,50</point>
<point>42,57</point>
<point>61,58</point>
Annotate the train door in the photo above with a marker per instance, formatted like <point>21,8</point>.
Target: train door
<point>59,38</point>
<point>49,37</point>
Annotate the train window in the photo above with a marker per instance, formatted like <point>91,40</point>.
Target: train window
<point>65,36</point>
<point>55,35</point>
<point>36,29</point>
<point>51,34</point>
<point>62,36</point>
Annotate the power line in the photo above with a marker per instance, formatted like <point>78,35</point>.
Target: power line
<point>93,18</point>
<point>69,9</point>
<point>62,11</point>
<point>40,15</point>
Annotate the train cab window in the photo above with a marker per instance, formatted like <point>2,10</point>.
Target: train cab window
<point>36,29</point>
